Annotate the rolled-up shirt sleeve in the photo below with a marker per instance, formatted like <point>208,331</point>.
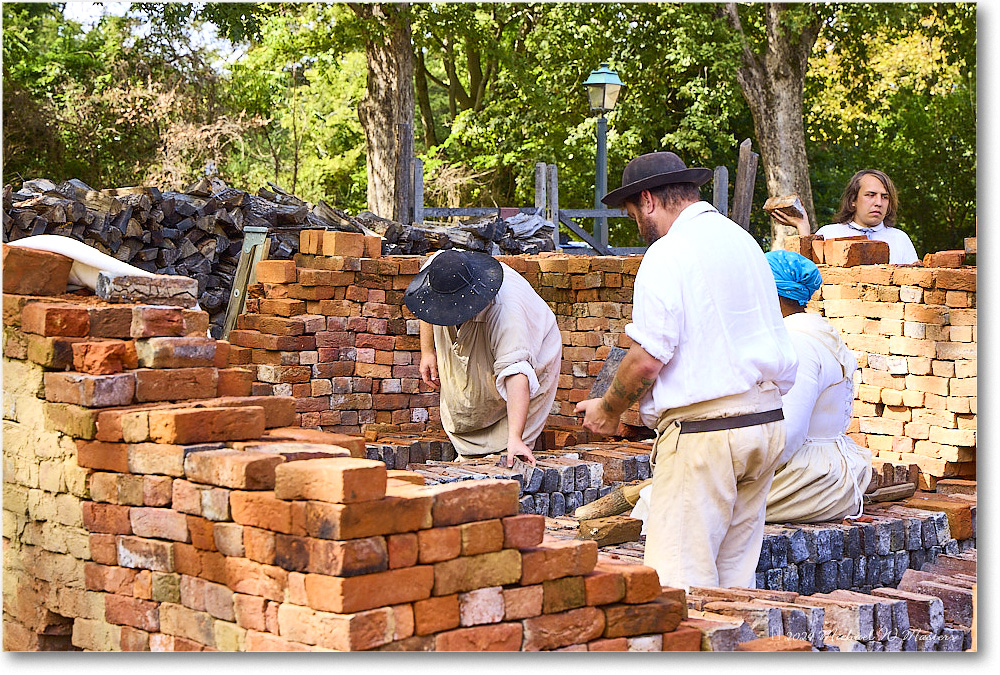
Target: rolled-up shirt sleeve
<point>514,369</point>
<point>656,317</point>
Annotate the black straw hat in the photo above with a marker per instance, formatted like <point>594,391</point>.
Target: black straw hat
<point>653,170</point>
<point>454,287</point>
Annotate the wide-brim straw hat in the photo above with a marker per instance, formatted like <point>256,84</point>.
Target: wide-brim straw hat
<point>653,170</point>
<point>454,287</point>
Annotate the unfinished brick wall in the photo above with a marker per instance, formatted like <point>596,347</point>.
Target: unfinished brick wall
<point>913,330</point>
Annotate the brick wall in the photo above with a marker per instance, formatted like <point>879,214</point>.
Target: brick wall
<point>913,330</point>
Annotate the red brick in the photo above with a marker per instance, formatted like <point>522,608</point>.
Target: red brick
<point>355,444</point>
<point>202,533</point>
<point>235,382</point>
<point>682,639</point>
<point>466,501</point>
<point>103,548</point>
<point>435,615</point>
<point>775,643</point>
<point>552,631</point>
<point>279,411</point>
<point>134,640</point>
<point>261,509</point>
<point>232,468</point>
<point>352,632</point>
<point>604,586</point>
<point>159,524</point>
<point>285,343</point>
<point>111,321</point>
<point>282,307</point>
<point>498,637</point>
<point>608,645</point>
<point>202,425</point>
<point>99,358</point>
<point>353,557</point>
<point>391,515</point>
<point>260,545</point>
<point>92,391</point>
<point>102,456</point>
<point>51,318</point>
<point>552,560</point>
<point>156,321</point>
<point>109,578</point>
<point>175,384</point>
<point>27,271</point>
<point>126,611</point>
<point>54,353</point>
<point>354,594</point>
<point>847,252</point>
<point>348,244</point>
<point>642,584</point>
<point>944,259</point>
<point>403,550</point>
<point>661,616</point>
<point>276,271</point>
<point>523,531</point>
<point>439,544</point>
<point>341,480</point>
<point>251,578</point>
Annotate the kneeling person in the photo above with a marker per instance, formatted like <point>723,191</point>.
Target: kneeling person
<point>822,474</point>
<point>492,345</point>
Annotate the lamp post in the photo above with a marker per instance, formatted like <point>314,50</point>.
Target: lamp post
<point>603,87</point>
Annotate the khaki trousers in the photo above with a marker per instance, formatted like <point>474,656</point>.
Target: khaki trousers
<point>709,489</point>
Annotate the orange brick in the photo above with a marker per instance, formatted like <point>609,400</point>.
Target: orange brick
<point>483,536</point>
<point>348,558</point>
<point>403,550</point>
<point>604,586</point>
<point>523,531</point>
<point>661,616</point>
<point>49,319</point>
<point>261,509</point>
<point>851,252</point>
<point>552,631</point>
<point>775,643</point>
<point>642,584</point>
<point>157,523</point>
<point>348,244</point>
<point>275,272</point>
<point>552,560</point>
<point>523,602</point>
<point>102,456</point>
<point>251,578</point>
<point>609,645</point>
<point>354,594</point>
<point>99,358</point>
<point>203,425</point>
<point>682,639</point>
<point>466,501</point>
<point>28,271</point>
<point>436,614</point>
<point>126,611</point>
<point>498,637</point>
<point>439,544</point>
<point>91,391</point>
<point>390,515</point>
<point>343,480</point>
<point>233,468</point>
<point>156,321</point>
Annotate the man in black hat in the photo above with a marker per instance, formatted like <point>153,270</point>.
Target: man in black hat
<point>492,345</point>
<point>709,362</point>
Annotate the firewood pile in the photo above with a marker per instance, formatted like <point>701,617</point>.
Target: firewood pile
<point>491,234</point>
<point>196,233</point>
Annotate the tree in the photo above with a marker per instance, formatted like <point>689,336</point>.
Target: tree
<point>772,78</point>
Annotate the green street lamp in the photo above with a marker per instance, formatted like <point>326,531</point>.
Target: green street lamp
<point>603,88</point>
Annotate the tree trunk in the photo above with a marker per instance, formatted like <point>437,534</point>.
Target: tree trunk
<point>388,100</point>
<point>773,84</point>
<point>424,100</point>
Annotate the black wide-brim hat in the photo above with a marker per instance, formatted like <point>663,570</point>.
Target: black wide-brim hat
<point>653,170</point>
<point>454,287</point>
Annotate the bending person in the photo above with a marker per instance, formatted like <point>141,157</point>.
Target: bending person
<point>822,474</point>
<point>493,346</point>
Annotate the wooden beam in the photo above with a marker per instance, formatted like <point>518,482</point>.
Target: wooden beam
<point>746,175</point>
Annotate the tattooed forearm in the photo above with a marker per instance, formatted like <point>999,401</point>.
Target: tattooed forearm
<point>620,396</point>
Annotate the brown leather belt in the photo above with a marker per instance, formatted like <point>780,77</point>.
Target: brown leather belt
<point>735,422</point>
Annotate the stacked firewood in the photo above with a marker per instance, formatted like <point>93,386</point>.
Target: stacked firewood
<point>196,233</point>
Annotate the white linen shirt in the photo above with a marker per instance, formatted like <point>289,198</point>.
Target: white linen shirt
<point>706,305</point>
<point>901,251</point>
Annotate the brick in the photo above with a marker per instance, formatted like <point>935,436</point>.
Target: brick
<point>605,585</point>
<point>232,468</point>
<point>500,637</point>
<point>51,319</point>
<point>175,352</point>
<point>403,550</point>
<point>523,602</point>
<point>642,584</point>
<point>109,578</point>
<point>102,358</point>
<point>348,244</point>
<point>343,480</point>
<point>261,509</point>
<point>523,531</point>
<point>436,614</point>
<point>562,594</point>
<point>776,643</point>
<point>439,544</point>
<point>682,639</point>
<point>102,456</point>
<point>847,252</point>
<point>552,631</point>
<point>149,554</point>
<point>123,610</point>
<point>353,557</point>
<point>926,612</point>
<point>354,444</point>
<point>467,573</point>
<point>552,560</point>
<point>368,591</point>
<point>156,459</point>
<point>157,523</point>
<point>92,391</point>
<point>481,606</point>
<point>175,384</point>
<point>660,616</point>
<point>341,632</point>
<point>484,536</point>
<point>28,271</point>
<point>464,502</point>
<point>391,515</point>
<point>276,272</point>
<point>156,321</point>
<point>252,578</point>
<point>203,425</point>
<point>235,382</point>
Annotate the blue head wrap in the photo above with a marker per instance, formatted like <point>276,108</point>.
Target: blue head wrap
<point>796,276</point>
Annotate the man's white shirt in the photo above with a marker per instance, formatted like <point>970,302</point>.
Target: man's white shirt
<point>901,251</point>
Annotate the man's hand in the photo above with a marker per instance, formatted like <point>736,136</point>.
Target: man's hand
<point>597,418</point>
<point>429,370</point>
<point>800,223</point>
<point>517,448</point>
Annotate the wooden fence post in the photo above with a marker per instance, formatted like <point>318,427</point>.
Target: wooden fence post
<point>404,173</point>
<point>746,175</point>
<point>552,213</point>
<point>418,191</point>
<point>720,190</point>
